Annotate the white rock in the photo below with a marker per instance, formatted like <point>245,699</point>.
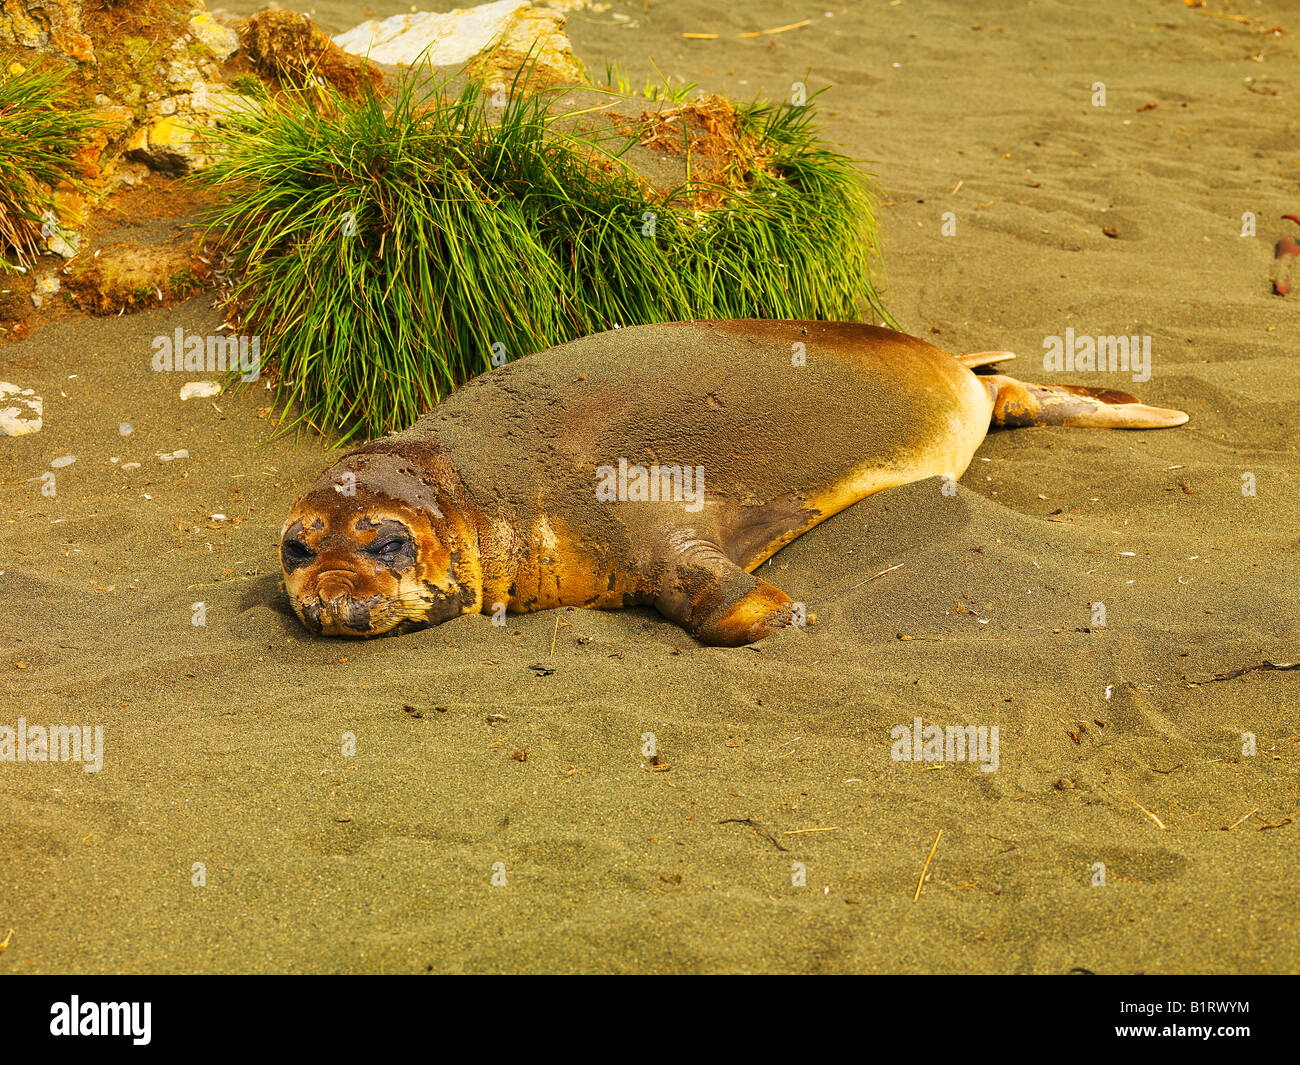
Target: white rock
<point>181,73</point>
<point>125,429</point>
<point>64,245</point>
<point>129,174</point>
<point>48,285</point>
<point>21,410</point>
<point>61,461</point>
<point>130,465</point>
<point>164,456</point>
<point>200,390</point>
<point>450,39</point>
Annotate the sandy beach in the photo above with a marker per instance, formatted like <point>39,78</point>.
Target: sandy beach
<point>501,812</point>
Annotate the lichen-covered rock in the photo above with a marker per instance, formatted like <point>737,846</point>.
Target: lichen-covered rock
<point>128,276</point>
<point>175,74</point>
<point>534,41</point>
<point>221,41</point>
<point>151,86</point>
<point>92,162</point>
<point>169,143</point>
<point>159,83</point>
<point>18,27</point>
<point>171,138</point>
<point>48,25</point>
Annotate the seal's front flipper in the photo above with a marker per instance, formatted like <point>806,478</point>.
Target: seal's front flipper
<point>717,601</point>
<point>1017,404</point>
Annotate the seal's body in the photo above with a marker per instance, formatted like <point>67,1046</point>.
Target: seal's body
<point>651,465</point>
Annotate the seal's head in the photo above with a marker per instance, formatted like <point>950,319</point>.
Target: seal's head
<point>379,544</point>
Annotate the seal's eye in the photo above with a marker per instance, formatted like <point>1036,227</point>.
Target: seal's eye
<point>296,552</point>
<point>390,548</point>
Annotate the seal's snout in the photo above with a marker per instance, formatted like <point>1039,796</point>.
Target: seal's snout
<point>338,613</point>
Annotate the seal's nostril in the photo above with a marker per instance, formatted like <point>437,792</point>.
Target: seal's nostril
<point>311,615</point>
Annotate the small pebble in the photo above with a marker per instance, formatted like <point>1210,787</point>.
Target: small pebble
<point>200,389</point>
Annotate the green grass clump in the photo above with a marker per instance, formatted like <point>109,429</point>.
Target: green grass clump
<point>384,250</point>
<point>40,133</point>
<point>617,81</point>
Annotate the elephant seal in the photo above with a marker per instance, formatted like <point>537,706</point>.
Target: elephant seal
<point>655,465</point>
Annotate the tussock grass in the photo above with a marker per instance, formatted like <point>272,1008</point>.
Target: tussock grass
<point>40,133</point>
<point>616,80</point>
<point>385,249</point>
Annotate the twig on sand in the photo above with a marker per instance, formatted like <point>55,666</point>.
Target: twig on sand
<point>1140,807</point>
<point>5,945</point>
<point>875,575</point>
<point>758,830</point>
<point>554,634</point>
<point>1229,828</point>
<point>1264,665</point>
<point>755,33</point>
<point>779,29</point>
<point>804,831</point>
<point>926,868</point>
<point>1259,27</point>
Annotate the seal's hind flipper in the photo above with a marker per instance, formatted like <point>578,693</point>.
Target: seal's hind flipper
<point>984,358</point>
<point>1017,404</point>
<point>716,601</point>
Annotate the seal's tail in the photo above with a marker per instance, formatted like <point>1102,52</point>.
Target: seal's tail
<point>1017,404</point>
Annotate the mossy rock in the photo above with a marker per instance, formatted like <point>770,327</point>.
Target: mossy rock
<point>129,277</point>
